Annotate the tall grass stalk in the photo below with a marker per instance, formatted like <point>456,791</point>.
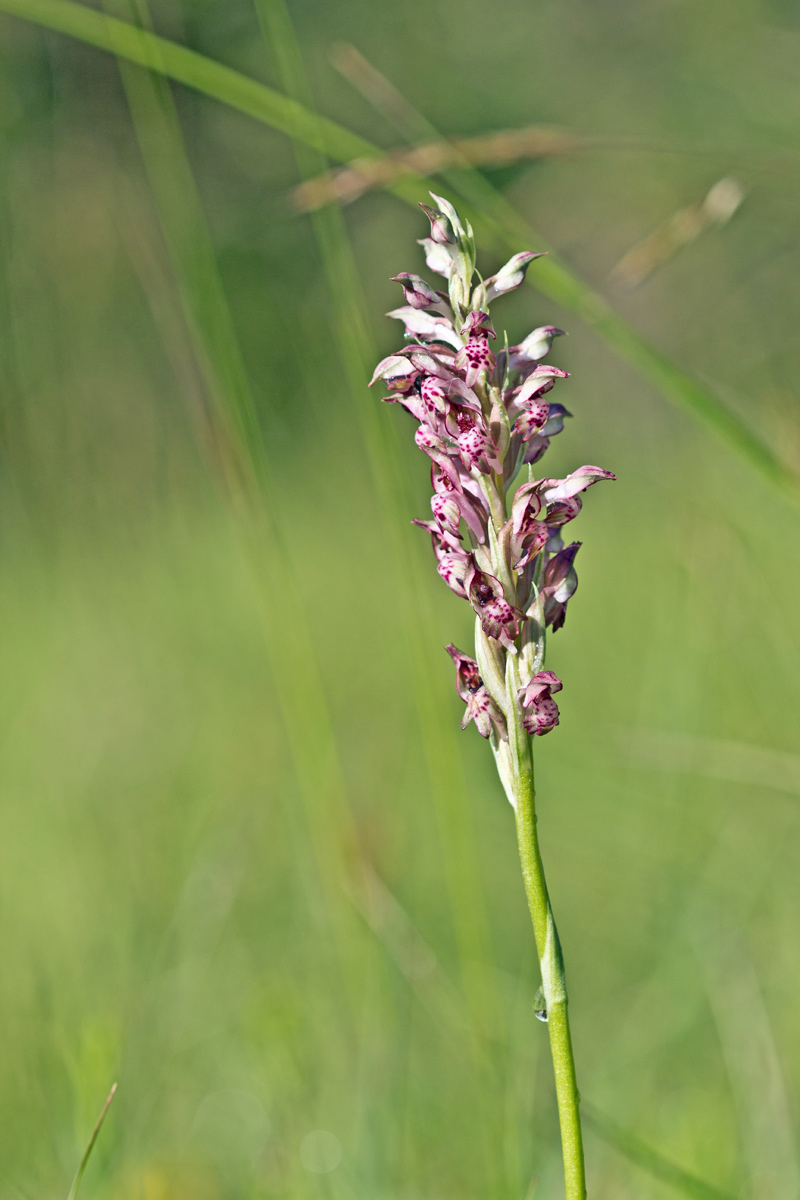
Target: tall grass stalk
<point>443,761</point>
<point>329,819</point>
<point>495,219</point>
<point>87,1154</point>
<point>248,486</point>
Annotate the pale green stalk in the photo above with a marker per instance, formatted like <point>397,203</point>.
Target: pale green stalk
<point>551,962</point>
<point>514,759</point>
<point>515,766</point>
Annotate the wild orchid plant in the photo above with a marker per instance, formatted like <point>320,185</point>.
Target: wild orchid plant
<point>483,417</point>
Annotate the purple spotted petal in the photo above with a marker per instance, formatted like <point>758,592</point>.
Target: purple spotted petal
<point>542,711</point>
<point>498,618</point>
<point>476,357</point>
<point>446,511</point>
<point>475,444</point>
<point>480,707</point>
<point>529,402</point>
<point>533,418</point>
<point>477,322</point>
<point>433,393</point>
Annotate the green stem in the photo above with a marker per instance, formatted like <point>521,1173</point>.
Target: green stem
<point>552,967</point>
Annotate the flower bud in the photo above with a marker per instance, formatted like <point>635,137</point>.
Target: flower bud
<point>442,231</point>
<point>418,293</point>
<point>509,277</point>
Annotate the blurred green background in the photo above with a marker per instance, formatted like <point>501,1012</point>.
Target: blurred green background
<point>250,867</point>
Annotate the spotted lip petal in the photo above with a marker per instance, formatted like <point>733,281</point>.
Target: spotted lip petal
<point>473,441</point>
<point>481,708</point>
<point>477,322</point>
<point>542,711</point>
<point>499,619</point>
<point>528,402</point>
<point>446,511</point>
<point>433,393</point>
<point>538,443</point>
<point>476,357</point>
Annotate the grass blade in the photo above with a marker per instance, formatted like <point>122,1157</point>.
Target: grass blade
<point>250,491</point>
<point>497,218</point>
<point>438,737</point>
<point>650,1160</point>
<point>186,66</point>
<point>358,356</point>
<point>494,216</point>
<point>87,1154</point>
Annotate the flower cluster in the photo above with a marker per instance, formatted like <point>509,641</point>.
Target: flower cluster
<point>483,414</point>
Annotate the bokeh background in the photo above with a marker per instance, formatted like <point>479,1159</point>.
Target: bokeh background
<point>250,867</point>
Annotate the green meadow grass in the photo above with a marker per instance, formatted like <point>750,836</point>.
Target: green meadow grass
<point>249,866</point>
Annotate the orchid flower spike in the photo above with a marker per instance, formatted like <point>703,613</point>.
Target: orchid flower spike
<point>482,416</point>
<point>483,412</point>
